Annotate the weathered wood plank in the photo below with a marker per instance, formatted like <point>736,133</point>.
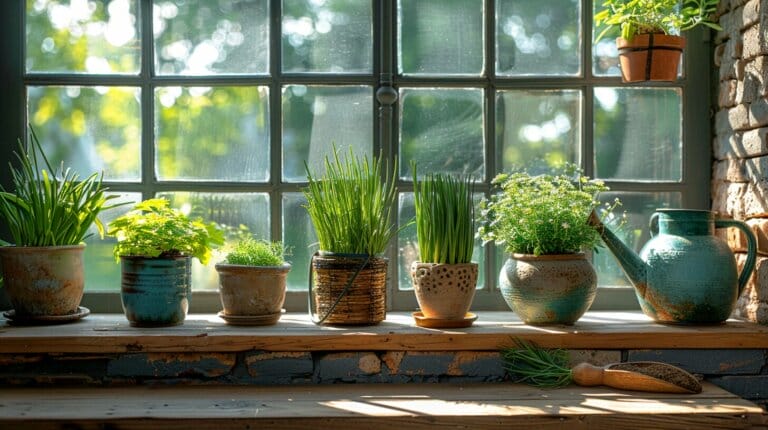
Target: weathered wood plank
<point>374,406</point>
<point>597,330</point>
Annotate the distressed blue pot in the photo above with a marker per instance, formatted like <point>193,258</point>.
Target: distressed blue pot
<point>548,289</point>
<point>155,291</point>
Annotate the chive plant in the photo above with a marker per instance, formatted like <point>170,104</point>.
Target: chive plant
<point>50,207</point>
<point>533,365</point>
<point>350,207</point>
<point>445,212</point>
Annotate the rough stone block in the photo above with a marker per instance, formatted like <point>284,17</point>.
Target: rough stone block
<point>738,117</point>
<point>738,241</point>
<point>708,361</point>
<point>423,363</point>
<point>754,311</point>
<point>750,14</point>
<point>477,364</point>
<point>169,365</point>
<point>727,198</point>
<point>347,366</point>
<point>758,112</point>
<point>717,56</point>
<point>279,367</point>
<point>748,387</point>
<point>754,142</point>
<point>729,68</point>
<point>754,43</point>
<point>727,96</point>
<point>722,125</point>
<point>754,201</point>
<point>596,357</point>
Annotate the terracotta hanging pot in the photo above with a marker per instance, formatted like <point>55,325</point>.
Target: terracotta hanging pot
<point>650,57</point>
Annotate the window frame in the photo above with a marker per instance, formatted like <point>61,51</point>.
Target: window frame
<point>384,82</point>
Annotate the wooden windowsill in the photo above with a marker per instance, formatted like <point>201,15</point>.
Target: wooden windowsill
<point>111,333</point>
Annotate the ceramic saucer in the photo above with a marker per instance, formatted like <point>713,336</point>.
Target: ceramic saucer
<point>423,321</point>
<point>45,319</point>
<point>268,319</point>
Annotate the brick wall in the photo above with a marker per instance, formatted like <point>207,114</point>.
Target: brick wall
<point>742,372</point>
<point>740,148</point>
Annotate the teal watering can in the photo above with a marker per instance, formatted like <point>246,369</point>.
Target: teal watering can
<point>684,274</point>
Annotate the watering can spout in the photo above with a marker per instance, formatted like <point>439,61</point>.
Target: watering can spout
<point>631,264</point>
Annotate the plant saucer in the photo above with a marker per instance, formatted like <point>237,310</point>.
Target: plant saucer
<point>45,319</point>
<point>252,320</point>
<point>423,321</point>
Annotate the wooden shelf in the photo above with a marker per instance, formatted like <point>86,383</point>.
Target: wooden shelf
<point>377,406</point>
<point>110,333</point>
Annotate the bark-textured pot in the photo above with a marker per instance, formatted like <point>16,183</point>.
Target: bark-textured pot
<point>253,291</point>
<point>548,289</point>
<point>43,280</point>
<point>650,57</point>
<point>155,291</point>
<point>444,291</point>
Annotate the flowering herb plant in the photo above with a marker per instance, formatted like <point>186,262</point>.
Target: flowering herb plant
<point>544,214</point>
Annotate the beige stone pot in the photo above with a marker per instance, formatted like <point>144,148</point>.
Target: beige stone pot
<point>444,291</point>
<point>252,295</point>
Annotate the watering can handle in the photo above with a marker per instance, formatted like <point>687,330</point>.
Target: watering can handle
<point>746,271</point>
<point>653,224</point>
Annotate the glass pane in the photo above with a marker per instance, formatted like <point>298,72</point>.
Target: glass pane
<point>205,37</point>
<point>237,213</point>
<point>90,129</point>
<point>408,250</point>
<point>605,55</point>
<point>442,131</point>
<point>213,133</point>
<point>299,236</point>
<point>327,36</point>
<point>315,118</point>
<point>440,37</point>
<point>538,129</point>
<point>96,36</point>
<point>638,133</point>
<point>638,207</point>
<point>538,37</point>
<point>102,272</point>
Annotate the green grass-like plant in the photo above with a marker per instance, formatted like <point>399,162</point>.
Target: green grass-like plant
<point>445,218</point>
<point>50,207</point>
<point>544,214</point>
<point>530,364</point>
<point>153,229</point>
<point>252,252</point>
<point>349,206</point>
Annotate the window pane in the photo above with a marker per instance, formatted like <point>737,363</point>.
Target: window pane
<point>205,37</point>
<point>440,37</point>
<point>638,208</point>
<point>102,272</point>
<point>91,129</point>
<point>327,36</point>
<point>538,129</point>
<point>239,214</point>
<point>213,133</point>
<point>315,118</point>
<point>541,37</point>
<point>97,36</point>
<point>605,55</point>
<point>299,236</point>
<point>407,245</point>
<point>442,131</point>
<point>638,133</point>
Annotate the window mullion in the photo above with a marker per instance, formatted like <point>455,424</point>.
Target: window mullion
<point>148,178</point>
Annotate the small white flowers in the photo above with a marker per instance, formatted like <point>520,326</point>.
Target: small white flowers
<point>565,225</point>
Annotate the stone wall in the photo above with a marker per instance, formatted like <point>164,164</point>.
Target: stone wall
<point>742,372</point>
<point>740,148</point>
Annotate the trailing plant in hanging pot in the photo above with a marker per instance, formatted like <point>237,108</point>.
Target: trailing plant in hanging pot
<point>252,282</point>
<point>49,214</point>
<point>444,278</point>
<point>155,245</point>
<point>649,33</point>
<point>351,210</point>
<point>541,221</point>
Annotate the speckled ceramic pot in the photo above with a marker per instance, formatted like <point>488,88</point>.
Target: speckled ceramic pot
<point>444,291</point>
<point>548,289</point>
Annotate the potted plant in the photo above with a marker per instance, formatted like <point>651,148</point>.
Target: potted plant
<point>650,44</point>
<point>48,214</point>
<point>351,210</point>
<point>444,277</point>
<point>252,282</point>
<point>155,245</point>
<point>541,221</point>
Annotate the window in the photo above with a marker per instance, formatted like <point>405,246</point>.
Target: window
<point>218,105</point>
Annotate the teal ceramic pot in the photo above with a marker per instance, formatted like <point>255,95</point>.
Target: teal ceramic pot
<point>155,291</point>
<point>548,289</point>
